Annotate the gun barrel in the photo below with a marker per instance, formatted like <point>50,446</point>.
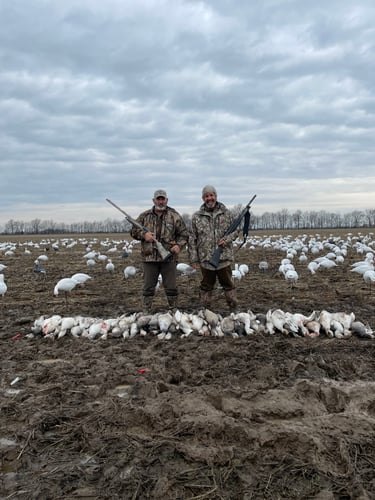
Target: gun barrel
<point>164,254</point>
<point>215,259</point>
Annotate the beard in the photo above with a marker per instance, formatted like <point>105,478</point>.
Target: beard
<point>160,208</point>
<point>210,205</point>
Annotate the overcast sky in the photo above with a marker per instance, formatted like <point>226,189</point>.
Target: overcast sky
<point>116,98</point>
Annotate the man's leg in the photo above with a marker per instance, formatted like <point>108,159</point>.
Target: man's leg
<point>150,279</point>
<point>226,281</point>
<point>169,275</point>
<point>207,286</point>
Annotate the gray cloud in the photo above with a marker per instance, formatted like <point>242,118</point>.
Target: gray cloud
<point>115,99</point>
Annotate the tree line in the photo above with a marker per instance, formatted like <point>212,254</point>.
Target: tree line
<point>283,219</point>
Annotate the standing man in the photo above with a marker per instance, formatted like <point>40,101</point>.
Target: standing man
<point>208,225</point>
<point>166,226</point>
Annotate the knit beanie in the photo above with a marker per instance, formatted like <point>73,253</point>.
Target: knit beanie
<point>208,189</point>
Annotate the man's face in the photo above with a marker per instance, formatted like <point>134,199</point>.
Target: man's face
<point>160,203</point>
<point>210,200</point>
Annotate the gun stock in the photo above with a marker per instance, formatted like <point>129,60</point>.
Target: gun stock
<point>164,254</point>
<point>215,259</point>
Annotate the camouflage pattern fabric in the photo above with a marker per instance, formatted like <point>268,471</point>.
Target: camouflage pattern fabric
<point>169,230</point>
<point>207,228</point>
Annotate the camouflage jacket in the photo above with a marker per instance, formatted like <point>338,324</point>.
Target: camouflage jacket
<point>207,228</point>
<point>169,230</point>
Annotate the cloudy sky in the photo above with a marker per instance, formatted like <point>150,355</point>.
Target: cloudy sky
<point>113,99</point>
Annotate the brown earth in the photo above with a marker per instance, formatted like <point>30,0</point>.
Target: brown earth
<point>258,417</point>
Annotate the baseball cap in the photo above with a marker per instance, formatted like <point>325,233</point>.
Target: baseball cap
<point>160,192</point>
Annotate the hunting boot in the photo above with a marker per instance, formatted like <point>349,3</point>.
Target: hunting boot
<point>231,298</point>
<point>147,303</point>
<point>172,302</point>
<point>206,298</point>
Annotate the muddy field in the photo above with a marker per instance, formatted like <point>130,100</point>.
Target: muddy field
<point>257,417</point>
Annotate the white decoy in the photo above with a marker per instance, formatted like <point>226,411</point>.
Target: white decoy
<point>90,262</point>
<point>38,269</point>
<point>65,285</point>
<point>81,278</point>
<point>110,267</point>
<point>236,273</point>
<point>327,263</point>
<point>362,267</point>
<point>90,255</point>
<point>2,267</point>
<point>283,268</point>
<point>243,268</point>
<point>313,266</point>
<point>130,271</point>
<point>263,265</point>
<point>185,269</point>
<point>302,258</point>
<point>3,286</point>
<point>369,277</point>
<point>291,276</point>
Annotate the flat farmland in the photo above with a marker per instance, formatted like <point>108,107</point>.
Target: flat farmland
<point>263,415</point>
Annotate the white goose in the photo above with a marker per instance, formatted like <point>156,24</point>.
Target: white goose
<point>130,271</point>
<point>81,278</point>
<point>65,285</point>
<point>110,267</point>
<point>3,286</point>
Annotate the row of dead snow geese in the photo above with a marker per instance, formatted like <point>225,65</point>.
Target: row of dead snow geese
<point>168,325</point>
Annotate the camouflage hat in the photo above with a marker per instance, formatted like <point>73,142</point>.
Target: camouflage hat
<point>160,192</point>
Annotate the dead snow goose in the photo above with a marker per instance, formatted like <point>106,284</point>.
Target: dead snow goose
<point>165,320</point>
<point>362,331</point>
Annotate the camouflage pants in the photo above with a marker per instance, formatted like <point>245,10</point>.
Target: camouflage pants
<point>224,276</point>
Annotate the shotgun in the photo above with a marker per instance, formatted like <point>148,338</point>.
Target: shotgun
<point>215,259</point>
<point>164,254</point>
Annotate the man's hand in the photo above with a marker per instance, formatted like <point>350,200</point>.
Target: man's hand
<point>149,237</point>
<point>222,242</point>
